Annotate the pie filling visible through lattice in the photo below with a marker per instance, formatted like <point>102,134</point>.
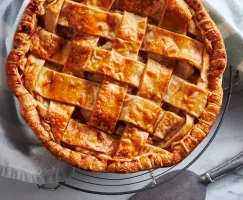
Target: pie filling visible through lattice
<point>118,86</point>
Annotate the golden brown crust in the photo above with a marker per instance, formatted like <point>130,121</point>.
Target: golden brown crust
<point>155,81</point>
<point>129,46</point>
<point>49,46</point>
<point>171,45</point>
<point>152,8</point>
<point>140,112</point>
<point>108,106</point>
<point>168,126</point>
<point>115,66</point>
<point>176,9</point>
<point>186,96</point>
<point>179,149</point>
<point>89,19</point>
<point>132,142</point>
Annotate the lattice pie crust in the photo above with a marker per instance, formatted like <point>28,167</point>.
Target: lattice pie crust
<point>118,86</point>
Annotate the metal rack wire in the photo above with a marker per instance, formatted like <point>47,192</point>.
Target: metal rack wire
<point>120,184</point>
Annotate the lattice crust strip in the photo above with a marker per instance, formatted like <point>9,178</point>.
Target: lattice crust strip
<point>107,101</point>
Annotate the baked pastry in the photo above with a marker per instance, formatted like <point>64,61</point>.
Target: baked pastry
<point>118,86</point>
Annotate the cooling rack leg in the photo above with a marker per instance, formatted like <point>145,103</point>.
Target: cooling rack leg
<point>48,187</point>
<point>153,179</point>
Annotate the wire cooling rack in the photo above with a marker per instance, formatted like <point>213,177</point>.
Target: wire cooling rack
<point>120,184</point>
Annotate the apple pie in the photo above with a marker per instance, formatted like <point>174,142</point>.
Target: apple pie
<point>118,85</point>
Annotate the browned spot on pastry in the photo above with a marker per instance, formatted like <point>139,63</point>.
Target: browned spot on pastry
<point>100,138</point>
<point>26,29</point>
